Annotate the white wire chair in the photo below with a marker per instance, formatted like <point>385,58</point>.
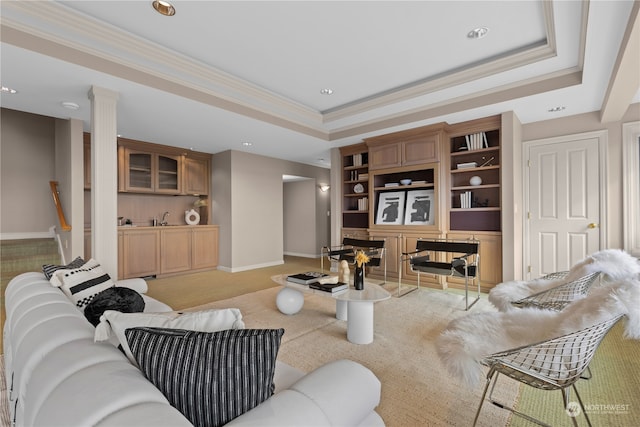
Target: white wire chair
<point>555,364</point>
<point>558,297</point>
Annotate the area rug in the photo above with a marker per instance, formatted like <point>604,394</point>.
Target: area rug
<point>416,390</point>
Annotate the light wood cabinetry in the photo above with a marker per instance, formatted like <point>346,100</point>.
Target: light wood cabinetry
<point>164,251</point>
<point>196,175</point>
<point>148,172</point>
<point>434,159</point>
<point>159,169</point>
<point>204,248</point>
<point>490,257</point>
<point>175,249</point>
<point>355,186</point>
<point>86,147</point>
<point>140,253</point>
<point>481,183</point>
<point>406,148</point>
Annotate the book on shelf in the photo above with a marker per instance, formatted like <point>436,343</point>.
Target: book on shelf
<point>363,204</point>
<point>329,287</point>
<point>465,200</point>
<point>306,278</point>
<point>476,141</point>
<point>467,165</point>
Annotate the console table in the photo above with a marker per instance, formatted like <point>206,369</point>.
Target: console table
<point>356,307</point>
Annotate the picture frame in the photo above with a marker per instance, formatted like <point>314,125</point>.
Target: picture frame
<point>420,207</point>
<point>390,208</point>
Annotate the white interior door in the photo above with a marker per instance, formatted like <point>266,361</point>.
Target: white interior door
<point>564,202</point>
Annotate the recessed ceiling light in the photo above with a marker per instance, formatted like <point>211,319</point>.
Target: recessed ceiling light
<point>326,91</point>
<point>556,109</point>
<point>478,33</point>
<point>8,90</point>
<point>247,144</point>
<point>164,8</point>
<point>70,105</point>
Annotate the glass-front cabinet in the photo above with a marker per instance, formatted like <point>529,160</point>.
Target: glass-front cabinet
<point>148,172</point>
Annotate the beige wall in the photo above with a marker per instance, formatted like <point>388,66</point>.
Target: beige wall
<point>304,210</point>
<point>248,200</point>
<point>27,151</point>
<point>591,122</point>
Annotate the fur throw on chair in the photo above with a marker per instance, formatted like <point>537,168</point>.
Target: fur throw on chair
<point>466,341</point>
<point>613,264</point>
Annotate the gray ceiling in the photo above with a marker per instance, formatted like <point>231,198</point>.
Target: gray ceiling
<point>221,73</point>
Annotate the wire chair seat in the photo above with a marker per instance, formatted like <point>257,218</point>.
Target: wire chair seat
<point>555,364</point>
<point>557,298</point>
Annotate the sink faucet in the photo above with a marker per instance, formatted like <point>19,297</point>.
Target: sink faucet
<point>164,218</point>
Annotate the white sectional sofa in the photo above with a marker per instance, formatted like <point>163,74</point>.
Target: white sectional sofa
<point>57,375</point>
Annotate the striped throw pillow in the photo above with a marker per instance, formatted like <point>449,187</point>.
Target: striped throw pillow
<point>82,284</point>
<point>210,377</point>
<point>49,269</point>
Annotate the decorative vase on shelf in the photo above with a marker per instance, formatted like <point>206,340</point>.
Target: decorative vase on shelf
<point>358,278</point>
<point>475,180</point>
<point>192,217</point>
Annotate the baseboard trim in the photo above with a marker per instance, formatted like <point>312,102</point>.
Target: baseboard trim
<point>250,267</point>
<point>27,235</point>
<point>301,255</point>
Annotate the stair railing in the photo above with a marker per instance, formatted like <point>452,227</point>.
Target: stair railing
<point>56,201</point>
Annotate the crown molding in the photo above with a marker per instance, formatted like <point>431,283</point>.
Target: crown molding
<point>79,27</point>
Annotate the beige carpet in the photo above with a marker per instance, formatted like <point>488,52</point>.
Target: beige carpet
<point>416,391</point>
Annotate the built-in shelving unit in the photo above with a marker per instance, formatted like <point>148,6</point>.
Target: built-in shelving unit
<point>355,186</point>
<point>474,177</point>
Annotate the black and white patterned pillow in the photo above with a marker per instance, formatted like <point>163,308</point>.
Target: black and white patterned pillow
<point>49,269</point>
<point>210,377</point>
<point>82,284</point>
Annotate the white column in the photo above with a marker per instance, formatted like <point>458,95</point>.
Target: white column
<point>104,179</point>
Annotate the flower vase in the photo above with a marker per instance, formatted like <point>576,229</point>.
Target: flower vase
<point>358,278</point>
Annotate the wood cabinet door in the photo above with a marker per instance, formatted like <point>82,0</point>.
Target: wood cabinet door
<point>138,170</point>
<point>205,247</point>
<point>168,174</point>
<point>384,156</point>
<point>175,250</point>
<point>140,253</point>
<point>490,258</point>
<point>409,245</point>
<point>422,150</point>
<point>87,166</point>
<point>196,176</point>
<point>392,249</point>
<point>120,256</point>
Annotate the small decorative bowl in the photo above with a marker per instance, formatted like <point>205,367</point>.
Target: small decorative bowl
<point>405,181</point>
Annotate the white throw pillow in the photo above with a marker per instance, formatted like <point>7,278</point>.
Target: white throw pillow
<point>82,284</point>
<point>200,321</point>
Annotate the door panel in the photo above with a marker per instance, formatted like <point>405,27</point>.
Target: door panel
<point>563,204</point>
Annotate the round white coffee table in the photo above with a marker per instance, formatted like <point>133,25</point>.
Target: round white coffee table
<point>356,307</point>
<point>360,311</point>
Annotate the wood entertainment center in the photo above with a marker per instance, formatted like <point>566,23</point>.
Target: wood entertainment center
<point>455,192</point>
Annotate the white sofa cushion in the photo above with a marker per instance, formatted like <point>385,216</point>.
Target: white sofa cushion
<point>211,378</point>
<point>203,321</point>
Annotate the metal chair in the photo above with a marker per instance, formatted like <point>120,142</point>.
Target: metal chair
<point>555,364</point>
<point>374,249</point>
<point>558,297</point>
<point>465,262</point>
